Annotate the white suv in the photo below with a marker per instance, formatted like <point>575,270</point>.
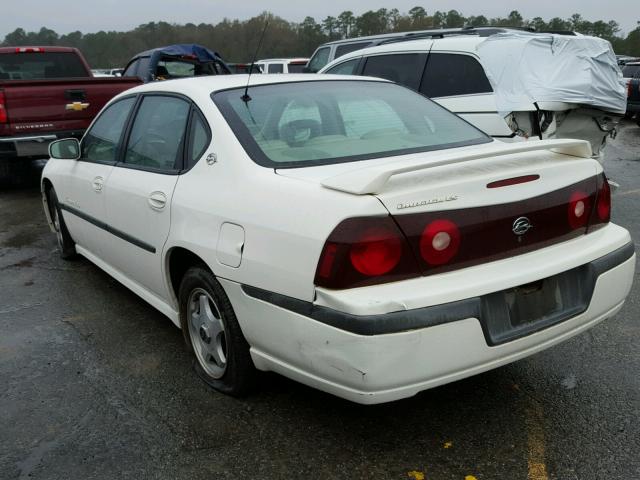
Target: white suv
<point>526,97</point>
<point>282,65</point>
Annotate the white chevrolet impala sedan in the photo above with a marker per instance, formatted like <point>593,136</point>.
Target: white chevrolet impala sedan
<point>345,232</point>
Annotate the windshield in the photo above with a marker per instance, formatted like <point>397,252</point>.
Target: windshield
<point>320,122</point>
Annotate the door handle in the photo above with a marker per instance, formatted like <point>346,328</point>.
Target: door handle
<point>157,200</point>
<point>98,184</point>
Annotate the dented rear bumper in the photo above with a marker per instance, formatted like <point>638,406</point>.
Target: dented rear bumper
<point>388,356</point>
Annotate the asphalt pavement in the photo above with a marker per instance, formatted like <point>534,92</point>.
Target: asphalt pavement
<point>95,383</point>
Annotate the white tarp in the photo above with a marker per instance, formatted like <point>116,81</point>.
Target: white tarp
<point>524,68</point>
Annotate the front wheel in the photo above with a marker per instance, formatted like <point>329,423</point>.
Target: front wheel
<point>66,245</point>
<point>211,331</point>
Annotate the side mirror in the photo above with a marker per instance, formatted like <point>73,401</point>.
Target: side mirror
<point>65,149</point>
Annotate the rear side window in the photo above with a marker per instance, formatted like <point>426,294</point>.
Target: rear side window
<point>345,68</point>
<point>319,59</point>
<point>630,71</point>
<point>41,66</point>
<point>199,138</point>
<point>405,69</point>
<point>100,144</point>
<point>449,74</point>
<point>275,68</point>
<point>350,47</point>
<point>157,133</point>
<point>131,70</point>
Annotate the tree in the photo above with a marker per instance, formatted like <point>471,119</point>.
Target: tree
<point>330,26</point>
<point>453,19</point>
<point>515,19</point>
<point>346,21</point>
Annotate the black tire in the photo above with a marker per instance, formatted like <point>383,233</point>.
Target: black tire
<point>66,245</point>
<point>239,374</point>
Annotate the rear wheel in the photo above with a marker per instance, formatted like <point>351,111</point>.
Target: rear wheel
<point>211,331</point>
<point>66,245</point>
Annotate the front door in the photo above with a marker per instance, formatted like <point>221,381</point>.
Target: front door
<point>83,198</point>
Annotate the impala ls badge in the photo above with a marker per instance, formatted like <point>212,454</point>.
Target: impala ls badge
<point>521,225</point>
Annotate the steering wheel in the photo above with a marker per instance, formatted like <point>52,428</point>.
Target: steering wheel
<point>297,132</point>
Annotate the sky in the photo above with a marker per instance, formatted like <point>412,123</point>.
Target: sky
<point>65,16</point>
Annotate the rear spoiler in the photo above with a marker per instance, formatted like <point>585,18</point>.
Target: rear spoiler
<point>370,180</point>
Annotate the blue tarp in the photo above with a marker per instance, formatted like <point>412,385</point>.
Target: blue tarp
<point>203,54</point>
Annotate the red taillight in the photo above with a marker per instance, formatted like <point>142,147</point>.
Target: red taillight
<point>579,209</point>
<point>365,251</point>
<point>439,242</point>
<point>3,109</point>
<point>604,201</point>
<point>377,251</point>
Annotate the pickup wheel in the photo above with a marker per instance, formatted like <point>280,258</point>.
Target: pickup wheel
<point>211,331</point>
<point>66,245</point>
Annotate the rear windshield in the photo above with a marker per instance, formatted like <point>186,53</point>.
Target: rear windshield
<point>169,67</point>
<point>630,71</point>
<point>41,66</point>
<point>321,122</point>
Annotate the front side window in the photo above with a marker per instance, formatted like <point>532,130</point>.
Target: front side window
<point>319,59</point>
<point>157,133</point>
<point>100,144</point>
<point>275,68</point>
<point>449,74</point>
<point>405,69</point>
<point>345,68</point>
<point>320,122</point>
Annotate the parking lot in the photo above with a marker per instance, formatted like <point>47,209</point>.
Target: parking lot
<point>97,384</point>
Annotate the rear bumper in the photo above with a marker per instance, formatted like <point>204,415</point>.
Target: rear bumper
<point>32,146</point>
<point>375,368</point>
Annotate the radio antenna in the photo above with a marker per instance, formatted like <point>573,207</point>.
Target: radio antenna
<point>246,98</point>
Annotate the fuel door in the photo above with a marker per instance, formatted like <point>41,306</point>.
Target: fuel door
<point>230,244</point>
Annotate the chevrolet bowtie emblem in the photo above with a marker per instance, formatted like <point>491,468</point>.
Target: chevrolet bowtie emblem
<point>77,106</point>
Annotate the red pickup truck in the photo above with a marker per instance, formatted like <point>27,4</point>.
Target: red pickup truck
<point>46,93</point>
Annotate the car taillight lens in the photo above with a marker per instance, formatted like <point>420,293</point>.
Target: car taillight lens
<point>439,242</point>
<point>579,209</point>
<point>365,251</point>
<point>376,252</point>
<point>3,108</point>
<point>602,212</point>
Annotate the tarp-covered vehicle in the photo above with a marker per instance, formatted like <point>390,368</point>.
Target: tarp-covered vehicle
<point>176,61</point>
<point>512,85</point>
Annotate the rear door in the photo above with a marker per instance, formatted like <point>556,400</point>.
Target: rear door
<point>458,82</point>
<point>138,201</point>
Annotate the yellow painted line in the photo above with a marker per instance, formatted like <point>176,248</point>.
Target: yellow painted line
<point>415,475</point>
<point>537,468</point>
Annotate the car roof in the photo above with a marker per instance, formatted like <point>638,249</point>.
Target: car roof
<point>208,84</point>
<point>461,43</point>
<point>297,59</point>
<point>631,64</point>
